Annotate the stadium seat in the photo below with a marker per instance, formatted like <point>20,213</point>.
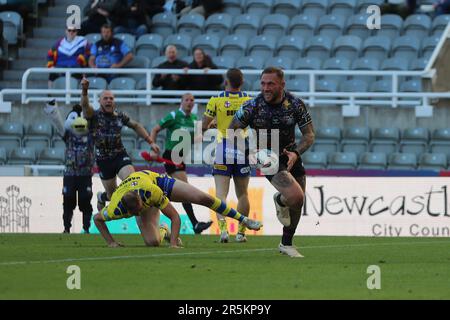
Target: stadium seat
<point>58,143</point>
<point>439,23</point>
<point>417,25</point>
<point>252,63</point>
<point>136,158</point>
<point>93,37</point>
<point>290,47</point>
<point>405,47</point>
<point>394,64</point>
<point>181,41</point>
<point>274,25</point>
<point>433,161</point>
<point>331,26</point>
<point>60,83</point>
<point>96,83</point>
<point>303,26</point>
<point>391,26</point>
<point>327,139</point>
<point>377,47</point>
<point>369,64</point>
<point>218,24</point>
<point>209,43</point>
<point>128,39</point>
<point>122,83</point>
<point>326,86</point>
<point>372,161</point>
<point>418,64</point>
<point>286,7</point>
<point>385,140</point>
<point>355,139</point>
<point>232,7</point>
<point>381,86</point>
<point>414,140</point>
<point>157,61</point>
<point>259,8</point>
<point>336,64</point>
<point>138,62</point>
<point>11,135</point>
<point>362,5</point>
<point>284,63</point>
<point>22,156</point>
<point>314,7</point>
<point>314,160</point>
<point>306,64</point>
<point>342,160</point>
<point>347,47</point>
<point>149,45</point>
<point>297,85</point>
<point>224,62</point>
<point>38,136</point>
<point>141,84</point>
<point>440,141</point>
<point>246,25</point>
<point>262,46</point>
<point>428,46</point>
<point>342,7</point>
<point>256,86</point>
<point>234,46</point>
<point>191,24</point>
<point>414,86</point>
<point>357,26</point>
<point>12,26</point>
<point>402,161</point>
<point>319,47</point>
<point>51,156</point>
<point>3,157</point>
<point>164,24</point>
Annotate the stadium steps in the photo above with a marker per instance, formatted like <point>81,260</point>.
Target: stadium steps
<point>52,33</point>
<point>15,75</point>
<point>53,21</point>
<point>24,64</point>
<point>41,44</point>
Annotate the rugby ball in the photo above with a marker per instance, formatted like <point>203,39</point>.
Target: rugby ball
<point>267,161</point>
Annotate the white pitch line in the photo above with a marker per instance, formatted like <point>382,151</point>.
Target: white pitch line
<point>177,254</point>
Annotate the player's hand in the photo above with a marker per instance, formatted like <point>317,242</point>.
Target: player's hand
<point>205,70</point>
<point>155,148</point>
<point>292,158</point>
<point>212,124</point>
<point>84,84</point>
<point>115,244</point>
<point>175,77</point>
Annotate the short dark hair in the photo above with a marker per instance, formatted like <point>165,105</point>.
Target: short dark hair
<point>106,26</point>
<point>278,71</point>
<point>235,77</point>
<point>130,201</point>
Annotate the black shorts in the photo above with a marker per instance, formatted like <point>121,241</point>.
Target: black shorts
<point>170,168</point>
<point>109,168</point>
<point>297,170</point>
<point>77,184</point>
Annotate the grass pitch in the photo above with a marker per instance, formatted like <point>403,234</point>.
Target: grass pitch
<point>34,267</point>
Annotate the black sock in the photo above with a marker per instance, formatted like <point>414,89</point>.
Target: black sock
<point>289,232</point>
<point>190,212</point>
<point>279,200</point>
<point>104,197</point>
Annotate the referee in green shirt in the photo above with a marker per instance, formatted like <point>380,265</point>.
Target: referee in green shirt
<point>179,119</point>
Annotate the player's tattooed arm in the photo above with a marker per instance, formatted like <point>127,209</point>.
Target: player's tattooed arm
<point>88,111</point>
<point>308,137</point>
<point>142,132</point>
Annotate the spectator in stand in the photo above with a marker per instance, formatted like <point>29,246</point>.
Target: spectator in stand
<point>71,51</point>
<point>171,81</point>
<point>109,52</point>
<point>22,7</point>
<point>98,13</point>
<point>404,8</point>
<point>200,81</point>
<point>203,7</point>
<point>442,7</point>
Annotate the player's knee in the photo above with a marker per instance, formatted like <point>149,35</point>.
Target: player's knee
<point>295,199</point>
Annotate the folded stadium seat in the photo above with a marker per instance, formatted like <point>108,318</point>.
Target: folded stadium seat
<point>327,139</point>
<point>246,25</point>
<point>370,64</point>
<point>122,83</point>
<point>136,158</point>
<point>232,7</point>
<point>373,160</point>
<point>391,24</point>
<point>218,24</point>
<point>308,63</point>
<point>301,85</point>
<point>138,62</point>
<point>141,84</point>
<point>286,7</point>
<point>402,161</point>
<point>314,160</point>
<point>22,156</point>
<point>355,139</point>
<point>381,86</point>
<point>439,23</point>
<point>433,161</point>
<point>157,61</point>
<point>314,7</point>
<point>96,83</point>
<point>258,7</point>
<point>414,140</point>
<point>284,63</point>
<point>3,157</point>
<point>342,160</point>
<point>149,45</point>
<point>181,41</point>
<point>234,45</point>
<point>37,135</point>
<point>342,7</point>
<point>209,43</point>
<point>414,85</point>
<point>58,143</point>
<point>12,26</point>
<point>262,46</point>
<point>290,47</point>
<point>51,156</point>
<point>92,38</point>
<point>303,26</point>
<point>347,47</point>
<point>252,63</point>
<point>331,26</point>
<point>60,83</point>
<point>326,86</point>
<point>440,141</point>
<point>128,39</point>
<point>394,63</point>
<point>335,64</point>
<point>417,25</point>
<point>224,62</point>
<point>362,5</point>
<point>256,85</point>
<point>418,64</point>
<point>274,25</point>
<point>377,47</point>
<point>129,137</point>
<point>405,47</point>
<point>357,26</point>
<point>11,135</point>
<point>164,24</point>
<point>385,140</point>
<point>191,24</point>
<point>428,46</point>
<point>319,47</point>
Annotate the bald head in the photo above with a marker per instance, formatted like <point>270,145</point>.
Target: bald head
<point>171,53</point>
<point>107,101</point>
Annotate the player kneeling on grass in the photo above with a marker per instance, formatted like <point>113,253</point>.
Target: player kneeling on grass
<point>143,193</point>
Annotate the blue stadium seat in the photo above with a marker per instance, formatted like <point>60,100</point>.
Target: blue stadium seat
<point>128,39</point>
<point>284,63</point>
<point>377,47</point>
<point>395,63</point>
<point>418,64</point>
<point>417,25</point>
<point>164,24</point>
<point>336,64</point>
<point>414,85</point>
<point>286,7</point>
<point>362,5</point>
<point>138,62</point>
<point>12,26</point>
<point>347,47</point>
<point>354,85</point>
<point>262,46</point>
<point>93,37</point>
<point>141,84</point>
<point>439,24</point>
<point>252,63</point>
<point>218,24</point>
<point>326,86</point>
<point>191,24</point>
<point>224,62</point>
<point>297,85</point>
<point>38,136</point>
<point>234,45</point>
<point>60,83</point>
<point>342,7</point>
<point>428,46</point>
<point>369,64</point>
<point>246,24</point>
<point>181,41</point>
<point>414,140</point>
<point>331,26</point>
<point>440,141</point>
<point>3,156</point>
<point>314,7</point>
<point>355,139</point>
<point>433,161</point>
<point>342,160</point>
<point>385,140</point>
<point>149,45</point>
<point>391,26</point>
<point>314,160</point>
<point>275,25</point>
<point>311,63</point>
<point>372,161</point>
<point>405,47</point>
<point>51,156</point>
<point>327,139</point>
<point>381,86</point>
<point>357,26</point>
<point>122,83</point>
<point>157,61</point>
<point>258,7</point>
<point>232,7</point>
<point>22,156</point>
<point>11,135</point>
<point>319,46</point>
<point>290,47</point>
<point>303,26</point>
<point>402,161</point>
<point>209,43</point>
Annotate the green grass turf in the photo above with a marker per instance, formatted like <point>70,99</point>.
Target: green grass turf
<point>333,268</point>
